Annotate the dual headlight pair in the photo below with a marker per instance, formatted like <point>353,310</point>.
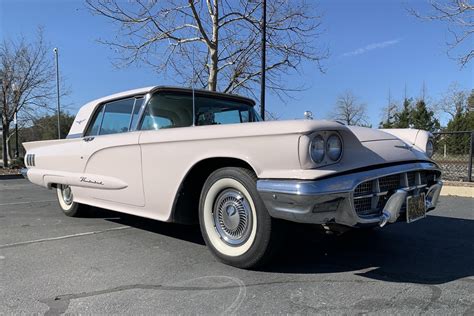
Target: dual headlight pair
<point>330,147</point>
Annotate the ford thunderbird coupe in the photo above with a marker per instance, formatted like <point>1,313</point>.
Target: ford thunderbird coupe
<point>194,156</point>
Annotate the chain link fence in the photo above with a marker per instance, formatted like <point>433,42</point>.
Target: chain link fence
<point>453,152</point>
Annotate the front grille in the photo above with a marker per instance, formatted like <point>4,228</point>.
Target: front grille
<point>389,183</point>
<point>364,188</point>
<point>364,205</point>
<point>411,178</point>
<point>371,196</point>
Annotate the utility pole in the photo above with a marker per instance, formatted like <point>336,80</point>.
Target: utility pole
<point>389,107</point>
<point>17,152</point>
<point>264,38</point>
<point>15,119</point>
<point>57,91</point>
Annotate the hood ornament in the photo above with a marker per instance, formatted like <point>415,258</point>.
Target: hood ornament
<point>308,115</point>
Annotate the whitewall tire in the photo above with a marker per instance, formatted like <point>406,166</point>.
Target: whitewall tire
<point>234,221</point>
<point>66,201</point>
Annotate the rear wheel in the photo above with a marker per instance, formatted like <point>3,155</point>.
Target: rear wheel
<point>234,221</point>
<point>66,201</point>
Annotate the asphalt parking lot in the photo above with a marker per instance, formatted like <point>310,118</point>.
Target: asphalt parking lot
<point>111,263</point>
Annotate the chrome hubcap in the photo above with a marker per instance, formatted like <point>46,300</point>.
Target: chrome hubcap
<point>67,194</point>
<point>232,217</point>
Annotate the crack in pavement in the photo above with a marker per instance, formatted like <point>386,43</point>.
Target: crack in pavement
<point>59,304</point>
<point>29,242</point>
<point>436,293</point>
<point>26,202</point>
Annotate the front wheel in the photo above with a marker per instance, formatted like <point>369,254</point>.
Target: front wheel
<point>66,201</point>
<point>234,222</point>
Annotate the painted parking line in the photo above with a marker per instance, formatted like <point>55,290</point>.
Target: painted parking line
<point>62,237</point>
<point>26,202</point>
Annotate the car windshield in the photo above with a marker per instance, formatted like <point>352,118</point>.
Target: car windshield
<point>166,110</point>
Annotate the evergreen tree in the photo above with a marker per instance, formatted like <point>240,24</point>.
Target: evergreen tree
<point>462,121</point>
<point>423,118</point>
<point>403,118</point>
<point>470,102</point>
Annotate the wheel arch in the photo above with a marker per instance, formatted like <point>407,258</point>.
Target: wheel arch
<point>186,201</point>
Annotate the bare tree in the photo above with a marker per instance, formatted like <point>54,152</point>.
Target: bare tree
<point>459,15</point>
<point>349,110</point>
<point>454,101</point>
<point>214,43</point>
<point>27,81</point>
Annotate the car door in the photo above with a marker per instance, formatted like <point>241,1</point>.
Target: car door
<point>111,154</point>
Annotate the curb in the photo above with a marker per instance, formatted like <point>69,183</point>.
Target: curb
<point>461,191</point>
<point>450,183</point>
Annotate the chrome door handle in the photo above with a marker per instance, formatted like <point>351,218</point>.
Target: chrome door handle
<point>88,139</point>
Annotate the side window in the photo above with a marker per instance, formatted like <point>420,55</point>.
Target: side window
<point>117,117</point>
<point>168,111</point>
<point>95,126</point>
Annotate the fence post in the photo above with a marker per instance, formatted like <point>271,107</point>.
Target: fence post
<point>469,172</point>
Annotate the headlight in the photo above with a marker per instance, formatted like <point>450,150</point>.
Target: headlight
<point>334,147</point>
<point>316,149</point>
<point>429,148</point>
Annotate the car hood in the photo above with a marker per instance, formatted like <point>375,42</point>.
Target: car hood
<point>365,134</point>
<point>381,146</point>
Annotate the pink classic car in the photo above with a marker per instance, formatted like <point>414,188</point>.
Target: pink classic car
<point>179,155</point>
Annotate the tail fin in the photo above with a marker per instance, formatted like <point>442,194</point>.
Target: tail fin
<point>43,143</point>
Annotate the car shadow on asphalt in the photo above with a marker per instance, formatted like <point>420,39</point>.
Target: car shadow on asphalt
<point>189,233</point>
<point>435,250</point>
<point>431,251</point>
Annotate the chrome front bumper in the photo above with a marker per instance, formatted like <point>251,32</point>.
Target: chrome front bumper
<point>331,200</point>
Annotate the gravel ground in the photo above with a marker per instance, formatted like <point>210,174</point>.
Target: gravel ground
<point>111,263</point>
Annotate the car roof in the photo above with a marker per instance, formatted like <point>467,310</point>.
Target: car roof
<point>87,110</point>
<point>172,89</point>
<point>202,92</point>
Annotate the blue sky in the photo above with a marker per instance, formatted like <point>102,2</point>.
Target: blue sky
<point>375,47</point>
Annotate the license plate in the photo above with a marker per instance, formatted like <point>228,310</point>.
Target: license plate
<point>416,208</point>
